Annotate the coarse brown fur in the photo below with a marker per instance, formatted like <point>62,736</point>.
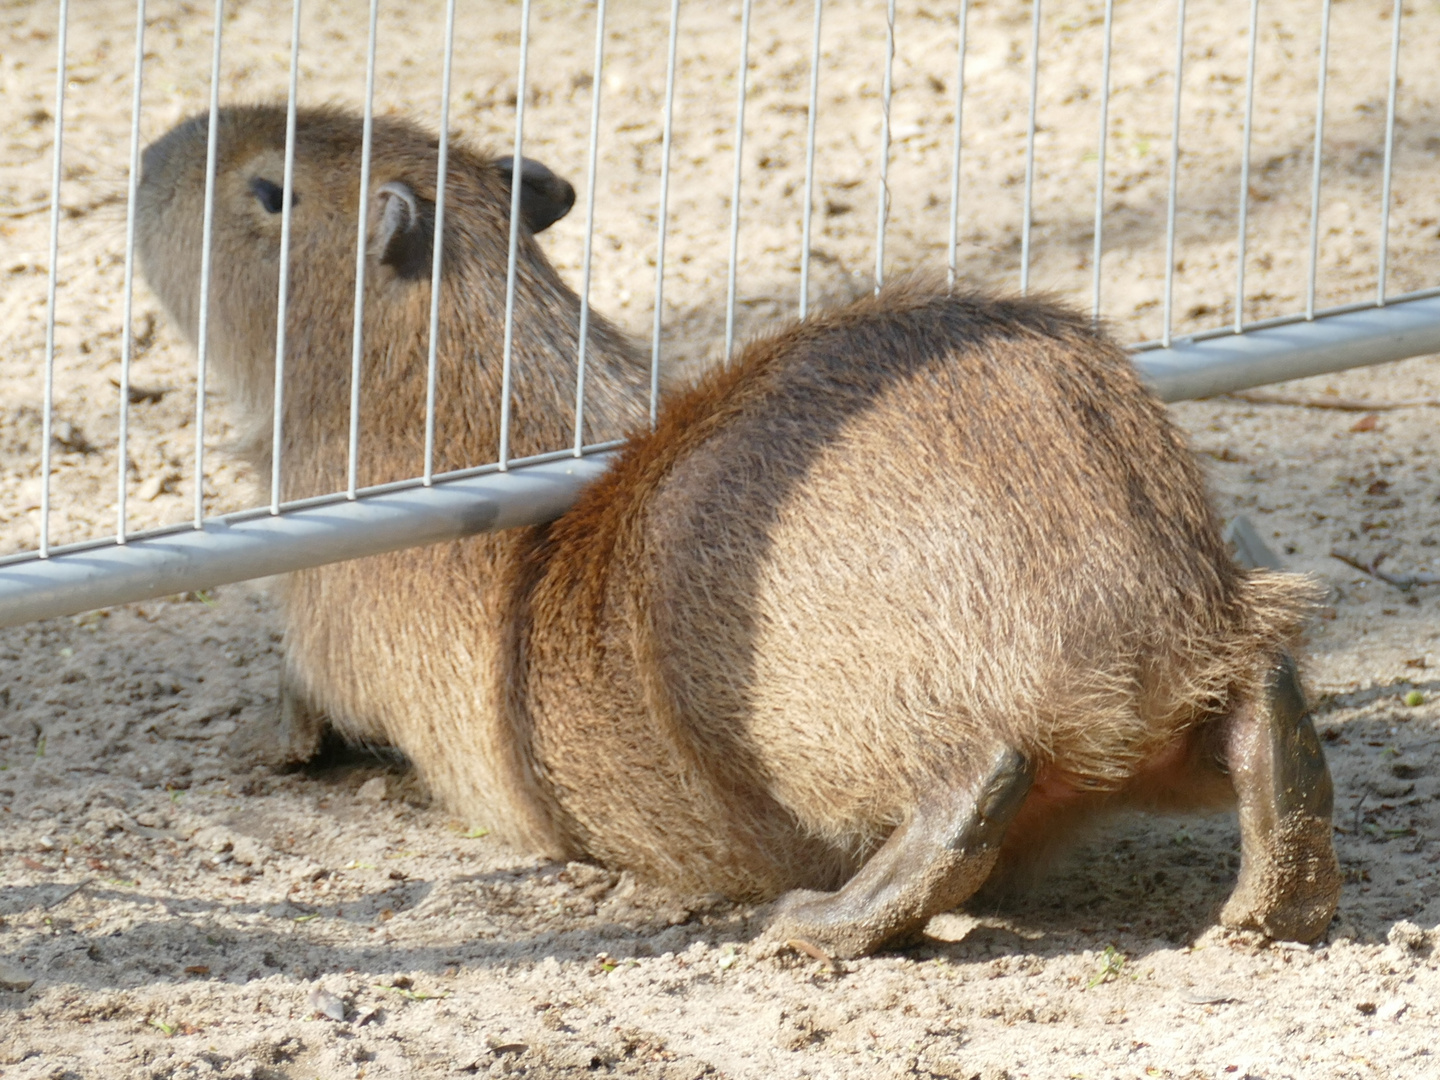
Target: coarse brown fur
<point>842,568</point>
<point>846,563</point>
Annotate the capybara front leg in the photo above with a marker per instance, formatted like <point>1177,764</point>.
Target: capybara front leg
<point>1289,876</point>
<point>928,865</point>
<point>290,737</point>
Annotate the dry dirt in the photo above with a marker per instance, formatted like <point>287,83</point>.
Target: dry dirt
<point>166,910</point>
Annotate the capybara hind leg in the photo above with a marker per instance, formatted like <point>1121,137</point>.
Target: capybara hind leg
<point>1289,876</point>
<point>928,865</point>
<point>291,736</point>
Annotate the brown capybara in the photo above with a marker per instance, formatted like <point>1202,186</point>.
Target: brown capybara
<point>895,597</point>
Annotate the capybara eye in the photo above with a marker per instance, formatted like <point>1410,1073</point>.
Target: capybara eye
<point>270,194</point>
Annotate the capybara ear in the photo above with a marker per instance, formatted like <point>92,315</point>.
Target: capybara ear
<point>544,197</point>
<point>402,230</point>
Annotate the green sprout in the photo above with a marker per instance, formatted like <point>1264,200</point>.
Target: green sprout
<point>1112,962</point>
<point>413,995</point>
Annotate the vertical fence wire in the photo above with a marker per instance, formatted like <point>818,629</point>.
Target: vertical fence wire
<point>882,207</point>
<point>47,422</point>
<point>127,329</point>
<point>437,256</point>
<point>1172,198</point>
<point>1382,272</point>
<point>1099,248</point>
<point>1319,157</point>
<point>513,258</point>
<point>809,211</point>
<point>1246,138</point>
<point>742,80</point>
<point>287,210</point>
<point>591,166</point>
<point>1027,211</point>
<point>663,211</point>
<point>953,254</point>
<point>357,332</point>
<point>207,232</point>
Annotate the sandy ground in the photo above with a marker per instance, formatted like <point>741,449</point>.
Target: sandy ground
<point>167,910</point>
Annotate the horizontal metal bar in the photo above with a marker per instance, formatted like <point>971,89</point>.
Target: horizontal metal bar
<point>255,544</point>
<point>229,549</point>
<point>1283,320</point>
<point>314,502</point>
<point>1193,368</point>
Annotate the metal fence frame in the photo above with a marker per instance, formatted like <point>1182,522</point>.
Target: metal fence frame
<point>281,537</point>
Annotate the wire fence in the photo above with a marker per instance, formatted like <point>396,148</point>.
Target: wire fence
<point>1282,254</point>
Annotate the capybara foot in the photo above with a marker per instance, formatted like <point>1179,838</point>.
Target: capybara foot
<point>1292,894</point>
<point>820,921</point>
<point>928,865</point>
<point>1289,875</point>
<point>289,737</point>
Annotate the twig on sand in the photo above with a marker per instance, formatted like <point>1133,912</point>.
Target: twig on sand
<point>1403,582</point>
<point>1338,404</point>
<point>815,952</point>
<point>67,893</point>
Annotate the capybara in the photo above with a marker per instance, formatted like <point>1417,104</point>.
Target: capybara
<point>891,599</point>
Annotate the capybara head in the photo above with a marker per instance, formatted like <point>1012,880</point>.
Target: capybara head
<point>245,246</point>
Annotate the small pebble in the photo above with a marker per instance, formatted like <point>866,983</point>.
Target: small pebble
<point>156,485</point>
<point>325,1003</point>
<point>373,790</point>
<point>1392,1009</point>
<point>1406,935</point>
<point>13,979</point>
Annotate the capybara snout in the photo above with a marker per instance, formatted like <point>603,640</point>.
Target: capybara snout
<point>890,600</point>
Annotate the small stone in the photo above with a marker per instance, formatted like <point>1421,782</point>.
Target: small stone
<point>1386,785</point>
<point>325,1003</point>
<point>71,437</point>
<point>1392,1009</point>
<point>1406,935</point>
<point>46,844</point>
<point>13,979</point>
<point>156,485</point>
<point>674,915</point>
<point>213,839</point>
<point>248,851</point>
<point>373,790</point>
